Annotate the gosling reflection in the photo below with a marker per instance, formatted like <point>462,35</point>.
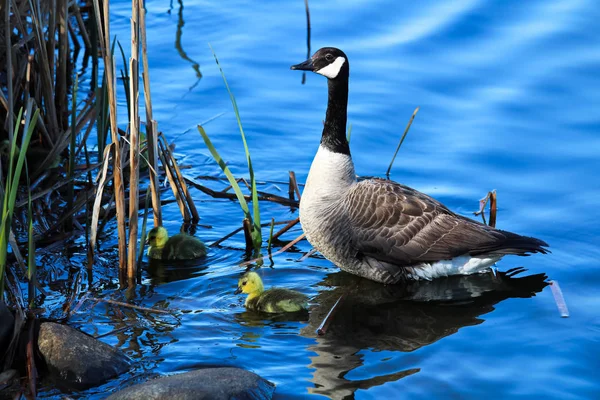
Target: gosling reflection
<point>161,272</point>
<point>399,318</point>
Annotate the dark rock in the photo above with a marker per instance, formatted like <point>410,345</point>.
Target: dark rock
<point>78,359</point>
<point>210,383</point>
<point>7,322</point>
<point>9,385</point>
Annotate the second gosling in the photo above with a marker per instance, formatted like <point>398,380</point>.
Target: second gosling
<point>274,300</point>
<point>177,247</point>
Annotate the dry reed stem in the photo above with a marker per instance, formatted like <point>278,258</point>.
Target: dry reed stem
<point>134,147</point>
<point>111,80</point>
<point>164,157</point>
<point>410,121</point>
<point>308,254</point>
<point>151,124</point>
<point>232,196</point>
<point>322,329</point>
<point>98,197</point>
<point>182,184</point>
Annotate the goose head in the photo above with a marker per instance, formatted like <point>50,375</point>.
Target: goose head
<point>250,283</point>
<point>330,62</point>
<point>157,237</point>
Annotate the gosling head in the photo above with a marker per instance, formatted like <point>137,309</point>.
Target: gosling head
<point>328,61</point>
<point>250,283</point>
<point>157,237</point>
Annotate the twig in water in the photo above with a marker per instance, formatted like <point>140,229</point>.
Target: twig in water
<point>112,332</point>
<point>322,329</point>
<point>120,303</point>
<point>283,249</point>
<point>307,254</point>
<point>270,236</point>
<point>286,228</point>
<point>410,121</point>
<point>559,299</point>
<point>218,242</point>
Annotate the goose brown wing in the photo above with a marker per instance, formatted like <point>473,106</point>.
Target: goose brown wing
<point>399,225</point>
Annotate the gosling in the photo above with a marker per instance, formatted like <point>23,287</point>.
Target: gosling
<point>274,300</point>
<point>178,247</point>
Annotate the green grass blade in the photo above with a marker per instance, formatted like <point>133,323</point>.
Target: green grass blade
<point>227,172</point>
<point>256,232</point>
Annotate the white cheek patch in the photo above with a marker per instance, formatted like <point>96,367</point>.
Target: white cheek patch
<point>332,70</point>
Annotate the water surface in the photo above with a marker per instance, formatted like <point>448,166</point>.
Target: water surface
<point>509,101</point>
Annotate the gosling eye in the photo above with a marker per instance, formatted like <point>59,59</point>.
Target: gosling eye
<point>244,283</point>
<point>328,57</point>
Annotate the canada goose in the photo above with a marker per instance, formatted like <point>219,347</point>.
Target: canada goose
<point>380,229</point>
<point>274,300</point>
<point>178,247</point>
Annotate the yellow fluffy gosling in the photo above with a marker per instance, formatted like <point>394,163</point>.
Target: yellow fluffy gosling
<point>178,247</point>
<point>274,300</point>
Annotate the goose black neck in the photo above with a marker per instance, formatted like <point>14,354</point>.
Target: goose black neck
<point>334,131</point>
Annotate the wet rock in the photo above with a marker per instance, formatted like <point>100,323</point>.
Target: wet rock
<point>78,359</point>
<point>9,384</point>
<point>6,327</point>
<point>210,383</point>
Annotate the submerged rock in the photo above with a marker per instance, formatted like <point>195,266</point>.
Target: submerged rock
<point>78,359</point>
<point>210,383</point>
<point>6,327</point>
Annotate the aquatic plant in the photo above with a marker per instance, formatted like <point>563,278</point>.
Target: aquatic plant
<point>253,220</point>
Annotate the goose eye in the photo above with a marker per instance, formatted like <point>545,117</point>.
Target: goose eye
<point>329,57</point>
<point>244,283</point>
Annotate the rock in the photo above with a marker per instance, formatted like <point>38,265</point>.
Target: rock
<point>210,383</point>
<point>6,327</point>
<point>78,359</point>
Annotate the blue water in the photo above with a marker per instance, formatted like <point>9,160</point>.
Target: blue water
<point>508,96</point>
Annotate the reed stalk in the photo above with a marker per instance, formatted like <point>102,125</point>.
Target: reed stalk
<point>134,145</point>
<point>151,125</point>
<point>118,186</point>
<point>410,121</point>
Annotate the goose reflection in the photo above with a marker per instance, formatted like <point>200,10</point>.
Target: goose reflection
<point>399,318</point>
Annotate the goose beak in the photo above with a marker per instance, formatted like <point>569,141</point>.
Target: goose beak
<point>238,290</point>
<point>305,66</point>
